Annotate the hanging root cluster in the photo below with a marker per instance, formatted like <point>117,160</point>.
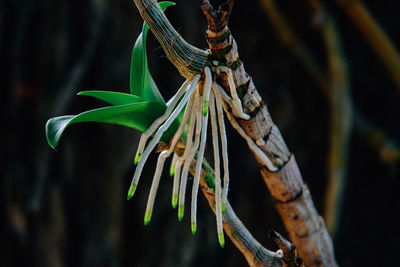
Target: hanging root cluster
<point>200,100</point>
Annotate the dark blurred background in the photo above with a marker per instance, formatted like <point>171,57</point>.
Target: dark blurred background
<point>68,207</point>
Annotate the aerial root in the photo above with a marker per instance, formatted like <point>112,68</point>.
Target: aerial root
<point>174,114</point>
<point>224,146</point>
<point>197,112</point>
<point>218,208</point>
<point>170,107</point>
<point>186,156</point>
<point>237,104</point>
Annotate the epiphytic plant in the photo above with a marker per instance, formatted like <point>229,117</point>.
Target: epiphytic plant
<point>215,82</point>
<point>194,101</point>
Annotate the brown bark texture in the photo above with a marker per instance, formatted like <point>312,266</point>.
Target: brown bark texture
<point>292,198</point>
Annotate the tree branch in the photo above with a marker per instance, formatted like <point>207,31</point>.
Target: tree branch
<point>255,254</point>
<point>292,198</point>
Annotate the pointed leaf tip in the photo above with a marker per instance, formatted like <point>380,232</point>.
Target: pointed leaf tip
<point>55,128</point>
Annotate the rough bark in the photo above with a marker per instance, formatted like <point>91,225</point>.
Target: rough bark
<point>292,198</point>
<point>255,254</point>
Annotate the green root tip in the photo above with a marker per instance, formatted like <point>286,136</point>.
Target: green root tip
<point>194,228</point>
<point>147,217</point>
<point>174,200</point>
<point>223,208</point>
<point>181,210</point>
<point>131,191</point>
<point>172,171</point>
<point>137,158</point>
<point>205,108</point>
<point>221,239</point>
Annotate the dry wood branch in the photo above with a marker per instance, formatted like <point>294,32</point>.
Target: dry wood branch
<point>375,35</point>
<point>255,254</point>
<point>289,250</point>
<point>292,199</point>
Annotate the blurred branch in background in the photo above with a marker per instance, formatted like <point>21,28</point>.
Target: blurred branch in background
<point>335,87</point>
<point>388,148</point>
<point>375,35</point>
<point>341,117</point>
<point>69,86</point>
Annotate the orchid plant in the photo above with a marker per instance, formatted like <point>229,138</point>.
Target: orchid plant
<point>181,120</point>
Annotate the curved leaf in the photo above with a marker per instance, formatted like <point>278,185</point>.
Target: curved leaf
<point>138,116</point>
<point>141,82</point>
<point>112,98</point>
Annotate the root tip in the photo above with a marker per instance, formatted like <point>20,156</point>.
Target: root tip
<point>131,191</point>
<point>221,239</point>
<point>137,158</point>
<point>174,201</point>
<point>194,228</point>
<point>147,217</point>
<point>181,210</point>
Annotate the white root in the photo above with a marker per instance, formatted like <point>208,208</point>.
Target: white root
<point>173,163</point>
<point>253,146</point>
<point>226,98</point>
<point>224,145</point>
<point>180,160</point>
<point>187,156</point>
<point>237,105</point>
<point>192,151</point>
<point>200,153</point>
<point>171,105</point>
<point>178,133</point>
<point>154,186</point>
<point>217,180</point>
<point>175,187</point>
<point>159,133</point>
<point>206,90</point>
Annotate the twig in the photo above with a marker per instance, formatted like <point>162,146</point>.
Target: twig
<point>375,35</point>
<point>255,254</point>
<point>289,250</point>
<point>68,89</point>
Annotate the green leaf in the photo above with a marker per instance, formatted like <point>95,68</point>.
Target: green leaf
<point>113,98</point>
<point>136,110</point>
<point>164,4</point>
<point>141,82</point>
<point>138,116</point>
